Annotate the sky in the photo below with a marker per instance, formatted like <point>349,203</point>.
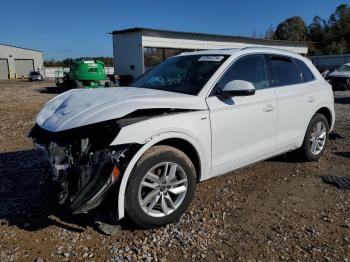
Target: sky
<point>76,28</point>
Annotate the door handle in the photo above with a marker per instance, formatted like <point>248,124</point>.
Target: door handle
<point>268,108</point>
<point>311,99</point>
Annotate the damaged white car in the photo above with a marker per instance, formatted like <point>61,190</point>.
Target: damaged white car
<point>340,78</point>
<point>193,117</point>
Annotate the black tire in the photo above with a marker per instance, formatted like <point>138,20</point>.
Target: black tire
<point>305,150</point>
<point>154,156</point>
<point>109,84</point>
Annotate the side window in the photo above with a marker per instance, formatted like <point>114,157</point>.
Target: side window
<point>307,75</point>
<point>284,72</point>
<point>250,68</point>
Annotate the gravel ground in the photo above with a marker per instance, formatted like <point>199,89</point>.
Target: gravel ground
<point>278,209</point>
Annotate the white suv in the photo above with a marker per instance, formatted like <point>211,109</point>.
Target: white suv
<point>193,117</point>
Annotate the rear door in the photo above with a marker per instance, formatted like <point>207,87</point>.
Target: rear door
<point>297,98</point>
<point>243,127</point>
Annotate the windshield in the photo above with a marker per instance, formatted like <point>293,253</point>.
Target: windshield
<point>344,68</point>
<point>34,73</point>
<point>182,74</point>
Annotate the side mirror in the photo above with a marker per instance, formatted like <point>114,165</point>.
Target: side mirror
<point>238,88</point>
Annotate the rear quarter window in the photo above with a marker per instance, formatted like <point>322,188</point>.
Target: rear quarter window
<point>284,71</point>
<point>305,71</point>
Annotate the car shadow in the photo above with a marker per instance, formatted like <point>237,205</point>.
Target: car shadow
<point>290,157</point>
<point>52,90</point>
<point>342,100</point>
<point>27,201</point>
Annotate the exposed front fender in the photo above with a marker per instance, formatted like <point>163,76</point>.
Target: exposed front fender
<point>152,141</point>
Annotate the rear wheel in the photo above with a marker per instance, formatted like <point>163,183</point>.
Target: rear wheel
<point>315,138</point>
<point>162,186</point>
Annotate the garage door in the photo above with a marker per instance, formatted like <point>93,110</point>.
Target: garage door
<point>23,67</point>
<point>4,69</point>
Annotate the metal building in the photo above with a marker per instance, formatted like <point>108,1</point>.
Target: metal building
<point>17,62</point>
<point>135,50</point>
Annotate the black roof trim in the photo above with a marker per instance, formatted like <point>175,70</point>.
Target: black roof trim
<point>136,29</point>
<point>22,47</point>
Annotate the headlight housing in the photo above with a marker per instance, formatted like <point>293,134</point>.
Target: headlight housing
<point>100,135</point>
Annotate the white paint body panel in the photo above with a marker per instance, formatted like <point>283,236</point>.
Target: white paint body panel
<point>296,105</point>
<point>226,134</point>
<point>243,129</point>
<point>80,107</point>
<point>249,117</point>
<point>192,127</point>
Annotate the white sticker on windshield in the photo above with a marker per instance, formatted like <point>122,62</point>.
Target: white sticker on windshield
<point>211,58</point>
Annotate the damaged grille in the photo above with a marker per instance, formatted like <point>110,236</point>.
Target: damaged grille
<point>82,162</point>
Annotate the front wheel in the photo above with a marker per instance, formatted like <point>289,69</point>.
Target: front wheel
<point>161,187</point>
<point>315,138</point>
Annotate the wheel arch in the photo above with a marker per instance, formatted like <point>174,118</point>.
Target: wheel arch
<point>187,148</point>
<point>324,110</point>
<point>180,141</point>
<point>327,113</point>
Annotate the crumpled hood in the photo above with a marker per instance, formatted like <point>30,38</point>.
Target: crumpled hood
<point>339,74</point>
<point>80,107</point>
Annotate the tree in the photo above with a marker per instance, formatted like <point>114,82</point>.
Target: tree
<point>270,32</point>
<point>339,30</point>
<point>108,61</point>
<point>325,37</point>
<point>316,35</point>
<point>292,29</point>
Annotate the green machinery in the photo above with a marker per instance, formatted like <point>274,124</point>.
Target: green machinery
<point>84,74</point>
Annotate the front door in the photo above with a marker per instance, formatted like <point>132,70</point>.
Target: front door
<point>244,127</point>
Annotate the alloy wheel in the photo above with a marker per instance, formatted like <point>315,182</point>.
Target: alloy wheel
<point>163,189</point>
<point>318,138</point>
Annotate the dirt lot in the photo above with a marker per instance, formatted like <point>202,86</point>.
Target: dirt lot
<point>275,210</point>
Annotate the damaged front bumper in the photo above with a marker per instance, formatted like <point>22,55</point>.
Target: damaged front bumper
<point>83,173</point>
<point>85,167</point>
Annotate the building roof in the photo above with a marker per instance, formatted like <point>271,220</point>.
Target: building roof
<point>21,47</point>
<point>242,38</point>
<point>231,51</point>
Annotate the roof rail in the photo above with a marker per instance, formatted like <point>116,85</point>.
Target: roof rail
<point>266,47</point>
